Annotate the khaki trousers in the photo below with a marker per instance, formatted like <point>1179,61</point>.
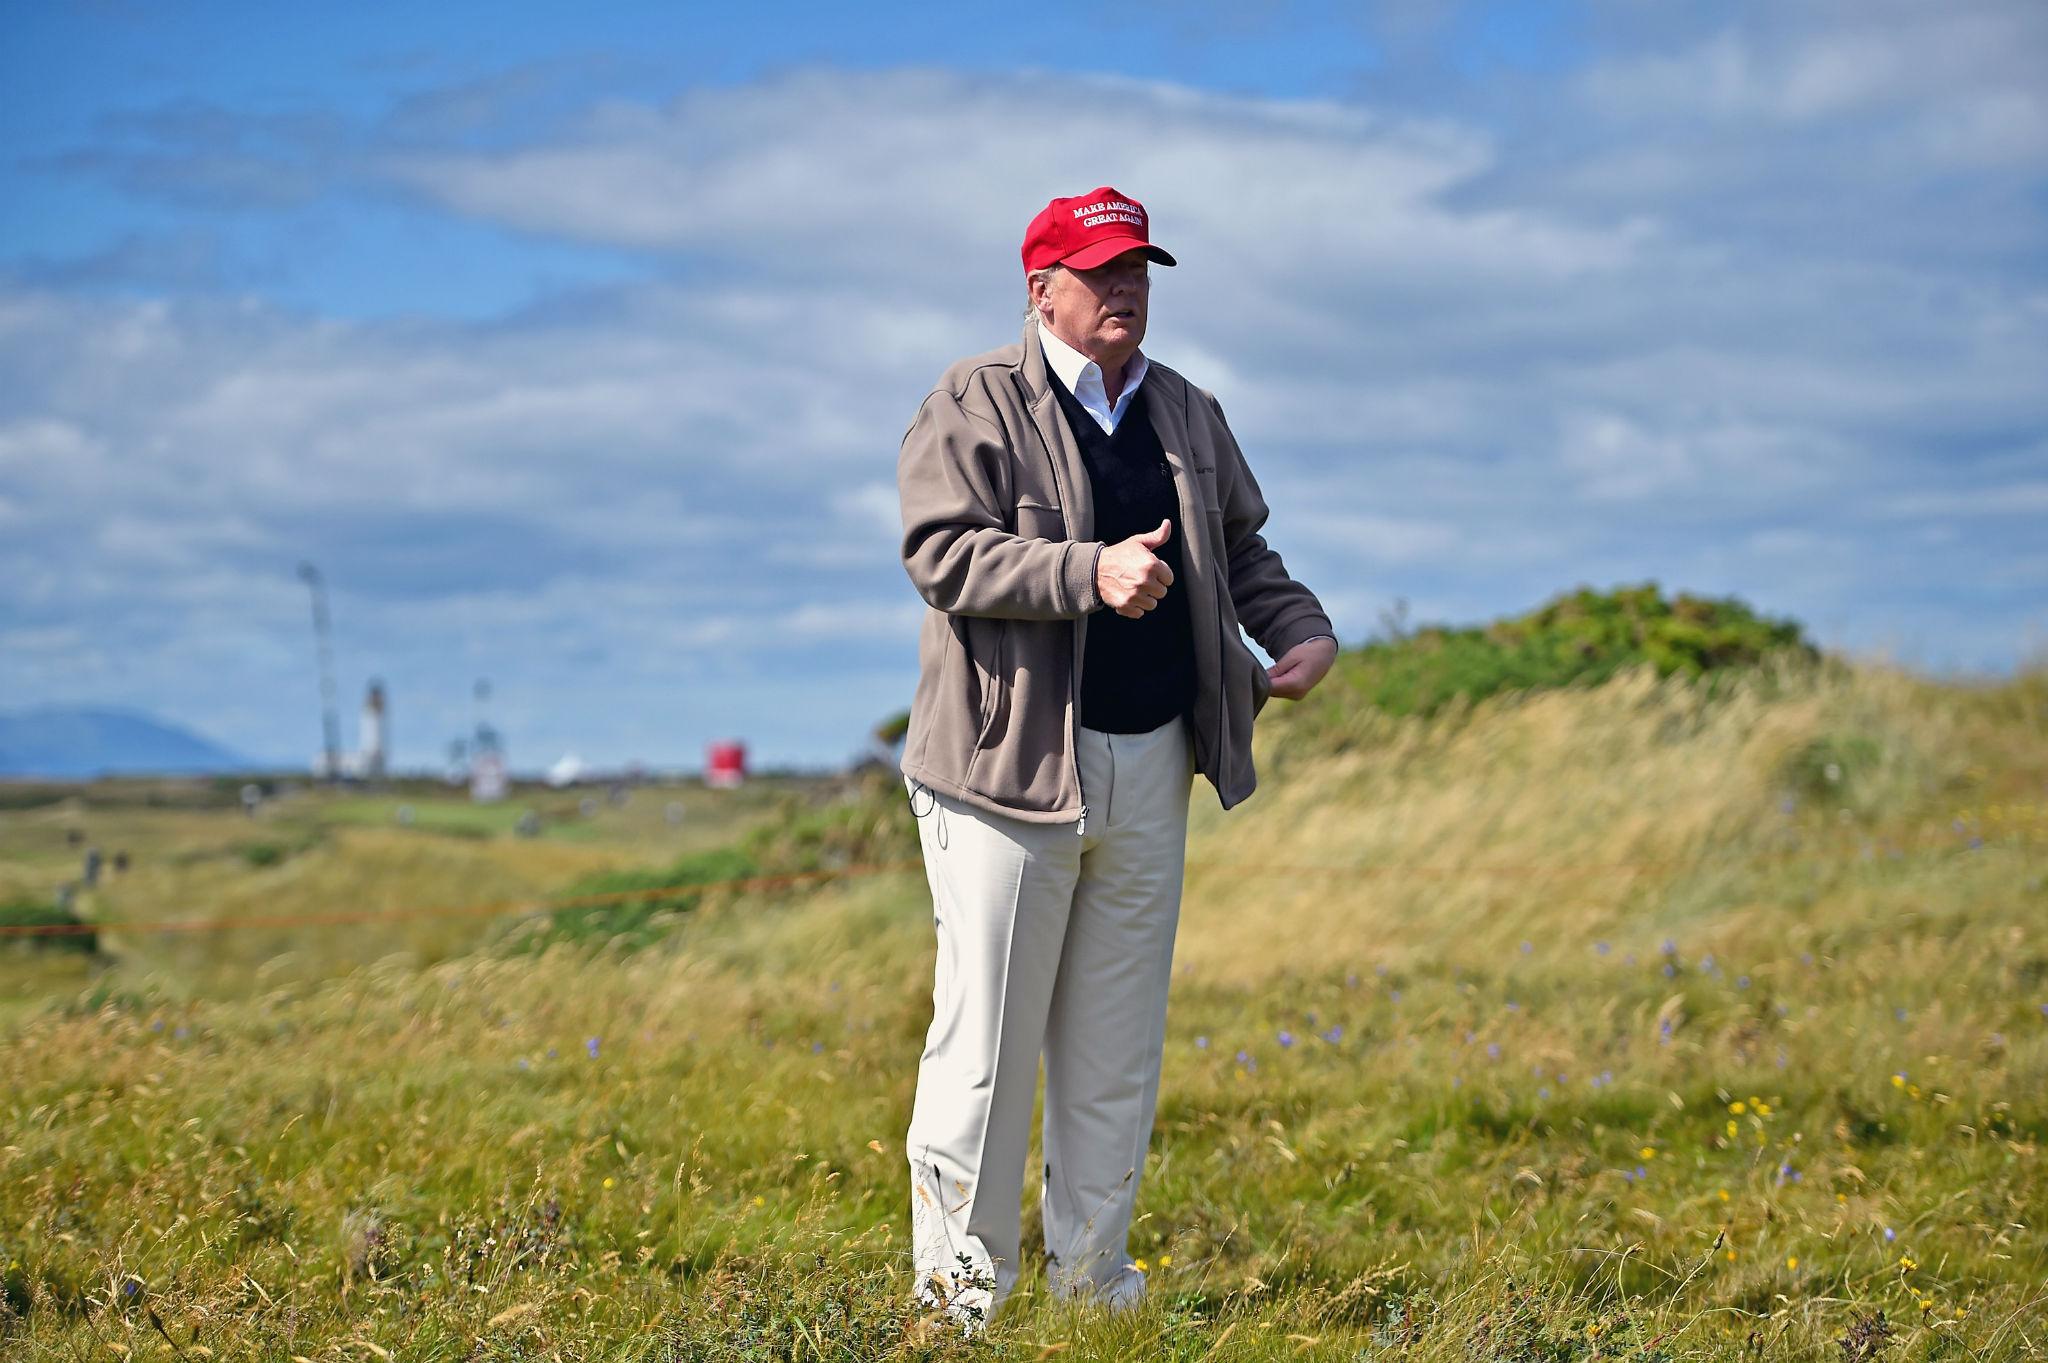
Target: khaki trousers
<point>1055,940</point>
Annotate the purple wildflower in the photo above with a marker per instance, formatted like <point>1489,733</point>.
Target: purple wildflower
<point>1286,1038</point>
<point>590,1045</point>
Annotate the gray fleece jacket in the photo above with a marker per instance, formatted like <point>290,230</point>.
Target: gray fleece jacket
<point>998,528</point>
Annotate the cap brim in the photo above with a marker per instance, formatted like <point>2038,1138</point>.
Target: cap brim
<point>1096,252</point>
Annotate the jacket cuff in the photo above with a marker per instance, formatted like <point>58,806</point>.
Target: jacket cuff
<point>1299,631</point>
<point>1077,573</point>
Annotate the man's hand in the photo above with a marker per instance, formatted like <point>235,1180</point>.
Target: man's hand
<point>1301,667</point>
<point>1131,577</point>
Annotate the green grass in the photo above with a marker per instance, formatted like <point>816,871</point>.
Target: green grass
<point>1514,946</point>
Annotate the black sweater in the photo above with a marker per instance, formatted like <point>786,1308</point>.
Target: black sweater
<point>1138,674</point>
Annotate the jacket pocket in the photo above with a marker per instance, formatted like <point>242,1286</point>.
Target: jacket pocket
<point>1037,521</point>
<point>995,680</point>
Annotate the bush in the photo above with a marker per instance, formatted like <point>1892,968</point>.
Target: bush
<point>658,898</point>
<point>1583,637</point>
<point>38,913</point>
<point>871,825</point>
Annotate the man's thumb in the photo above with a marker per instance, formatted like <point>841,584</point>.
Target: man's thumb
<point>1152,539</point>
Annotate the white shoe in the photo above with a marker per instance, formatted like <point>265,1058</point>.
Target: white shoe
<point>1125,1290</point>
<point>1120,1293</point>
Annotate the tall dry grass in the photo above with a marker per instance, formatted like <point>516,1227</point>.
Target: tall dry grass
<point>1591,1046</point>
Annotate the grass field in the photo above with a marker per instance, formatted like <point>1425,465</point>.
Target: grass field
<point>1615,1023</point>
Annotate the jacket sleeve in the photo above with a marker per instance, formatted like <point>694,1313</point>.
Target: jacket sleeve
<point>952,477</point>
<point>1275,610</point>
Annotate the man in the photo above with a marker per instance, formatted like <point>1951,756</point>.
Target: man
<point>1085,530</point>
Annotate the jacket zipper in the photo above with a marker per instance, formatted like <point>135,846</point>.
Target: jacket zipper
<point>1074,721</point>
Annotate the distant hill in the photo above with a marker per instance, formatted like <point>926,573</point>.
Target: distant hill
<point>80,743</point>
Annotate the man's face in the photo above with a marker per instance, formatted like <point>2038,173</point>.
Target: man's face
<point>1101,312</point>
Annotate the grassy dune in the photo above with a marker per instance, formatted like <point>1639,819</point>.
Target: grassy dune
<point>1584,1024</point>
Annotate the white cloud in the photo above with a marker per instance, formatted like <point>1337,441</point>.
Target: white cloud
<point>865,173</point>
<point>1616,459</point>
<point>1467,369</point>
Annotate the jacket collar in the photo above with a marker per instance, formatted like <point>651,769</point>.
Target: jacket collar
<point>1033,370</point>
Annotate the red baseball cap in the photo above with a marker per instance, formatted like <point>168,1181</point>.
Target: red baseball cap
<point>1087,229</point>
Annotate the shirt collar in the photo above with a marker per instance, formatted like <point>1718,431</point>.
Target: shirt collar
<point>1075,369</point>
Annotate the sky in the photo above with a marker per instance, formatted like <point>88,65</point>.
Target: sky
<point>575,344</point>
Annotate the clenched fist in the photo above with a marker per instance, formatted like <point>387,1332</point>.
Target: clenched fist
<point>1131,577</point>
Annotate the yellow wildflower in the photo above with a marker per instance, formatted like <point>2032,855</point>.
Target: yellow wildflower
<point>1737,1107</point>
<point>1792,1262</point>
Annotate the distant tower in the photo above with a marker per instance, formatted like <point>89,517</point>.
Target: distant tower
<point>375,738</point>
<point>488,779</point>
<point>330,727</point>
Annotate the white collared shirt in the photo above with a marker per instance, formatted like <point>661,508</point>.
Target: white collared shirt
<point>1083,378</point>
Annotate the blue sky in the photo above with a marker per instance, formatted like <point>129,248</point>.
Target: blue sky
<point>576,347</point>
